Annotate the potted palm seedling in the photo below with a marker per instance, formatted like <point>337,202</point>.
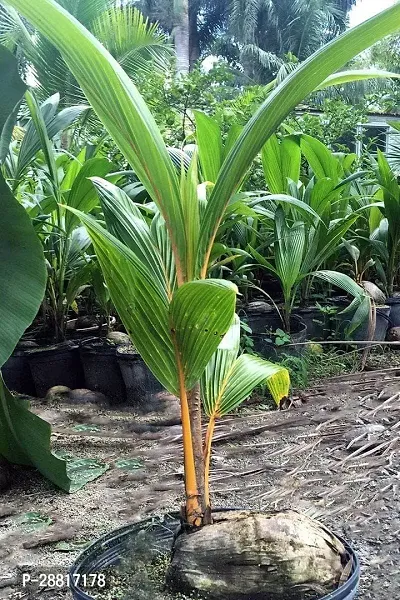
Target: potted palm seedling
<point>184,325</point>
<point>387,220</point>
<point>306,223</point>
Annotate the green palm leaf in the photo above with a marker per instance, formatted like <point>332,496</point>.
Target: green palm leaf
<point>201,313</point>
<point>82,194</point>
<point>137,45</point>
<point>22,272</point>
<point>248,372</point>
<point>289,249</point>
<point>53,123</point>
<point>209,142</point>
<point>173,338</point>
<point>25,439</point>
<point>126,223</point>
<point>281,162</point>
<point>228,380</point>
<point>140,299</point>
<point>161,239</point>
<point>219,368</point>
<point>356,75</point>
<point>361,303</point>
<point>320,158</point>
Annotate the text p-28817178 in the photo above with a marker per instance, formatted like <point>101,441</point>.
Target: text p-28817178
<point>64,580</point>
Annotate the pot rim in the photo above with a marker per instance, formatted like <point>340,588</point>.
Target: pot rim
<point>110,540</point>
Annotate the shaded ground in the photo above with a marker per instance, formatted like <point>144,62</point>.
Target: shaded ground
<point>335,455</point>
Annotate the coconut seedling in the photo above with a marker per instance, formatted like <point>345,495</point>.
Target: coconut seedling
<point>157,274</point>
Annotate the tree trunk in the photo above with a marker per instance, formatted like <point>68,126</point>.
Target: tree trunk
<point>181,36</point>
<point>194,401</point>
<point>194,42</point>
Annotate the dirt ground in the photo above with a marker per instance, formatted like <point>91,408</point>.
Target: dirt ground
<point>334,454</point>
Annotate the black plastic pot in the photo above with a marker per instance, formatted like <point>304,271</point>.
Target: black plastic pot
<point>112,548</point>
<point>140,383</point>
<point>265,343</point>
<point>314,320</point>
<point>82,333</point>
<point>101,368</point>
<point>383,323</point>
<point>56,365</point>
<point>259,315</point>
<point>394,303</point>
<point>17,374</point>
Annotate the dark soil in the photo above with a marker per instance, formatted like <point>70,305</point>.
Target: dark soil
<point>334,454</point>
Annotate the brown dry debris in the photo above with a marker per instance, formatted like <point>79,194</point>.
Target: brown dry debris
<point>335,457</point>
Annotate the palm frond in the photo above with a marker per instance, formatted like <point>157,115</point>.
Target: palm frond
<point>137,44</point>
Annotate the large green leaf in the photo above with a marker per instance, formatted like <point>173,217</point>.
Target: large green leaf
<point>82,194</point>
<point>190,327</point>
<point>291,92</point>
<point>141,302</point>
<point>322,161</point>
<point>356,75</point>
<point>126,222</point>
<point>120,107</point>
<point>281,162</point>
<point>209,142</point>
<point>201,313</point>
<point>22,272</point>
<point>25,439</point>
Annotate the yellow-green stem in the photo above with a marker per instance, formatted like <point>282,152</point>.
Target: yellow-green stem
<point>193,507</point>
<point>207,460</point>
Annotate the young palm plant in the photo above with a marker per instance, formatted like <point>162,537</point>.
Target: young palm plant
<point>177,327</point>
<point>389,192</point>
<point>309,219</point>
<point>43,185</point>
<point>24,437</point>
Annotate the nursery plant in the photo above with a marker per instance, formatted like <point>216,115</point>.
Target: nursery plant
<point>310,218</point>
<point>157,275</point>
<point>178,328</point>
<point>43,177</point>
<point>388,197</point>
<point>24,437</point>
